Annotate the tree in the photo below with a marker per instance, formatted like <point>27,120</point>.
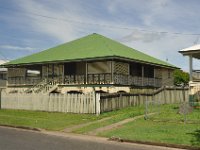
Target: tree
<point>181,78</point>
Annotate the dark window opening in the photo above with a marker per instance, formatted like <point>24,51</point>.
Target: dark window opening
<point>148,71</point>
<point>70,68</point>
<point>136,69</point>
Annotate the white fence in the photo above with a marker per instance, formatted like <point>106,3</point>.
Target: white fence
<point>73,103</point>
<point>90,103</point>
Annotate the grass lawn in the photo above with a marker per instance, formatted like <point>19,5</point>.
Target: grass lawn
<point>60,121</point>
<point>45,120</point>
<point>166,127</point>
<point>170,113</point>
<point>116,117</point>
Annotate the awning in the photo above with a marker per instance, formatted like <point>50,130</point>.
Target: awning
<point>194,51</point>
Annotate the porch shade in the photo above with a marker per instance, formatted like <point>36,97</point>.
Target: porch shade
<point>194,51</point>
<point>91,47</point>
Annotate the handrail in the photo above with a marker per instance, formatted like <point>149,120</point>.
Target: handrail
<point>43,87</point>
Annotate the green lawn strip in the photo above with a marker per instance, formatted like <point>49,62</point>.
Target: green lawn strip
<point>118,115</point>
<point>165,127</point>
<point>147,130</point>
<point>54,121</point>
<point>45,120</point>
<point>194,116</point>
<point>171,113</point>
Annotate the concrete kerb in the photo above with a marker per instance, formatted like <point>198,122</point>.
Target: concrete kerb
<point>108,140</point>
<point>22,127</point>
<point>117,139</point>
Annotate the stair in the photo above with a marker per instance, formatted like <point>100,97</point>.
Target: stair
<point>43,87</point>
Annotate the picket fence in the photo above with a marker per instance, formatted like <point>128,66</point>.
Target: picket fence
<point>91,103</point>
<point>72,103</point>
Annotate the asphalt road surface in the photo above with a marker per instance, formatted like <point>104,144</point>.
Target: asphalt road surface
<point>17,139</point>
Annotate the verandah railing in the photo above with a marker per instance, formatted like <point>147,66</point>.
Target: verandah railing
<point>23,81</point>
<point>137,81</point>
<point>196,75</point>
<point>91,79</point>
<point>105,78</point>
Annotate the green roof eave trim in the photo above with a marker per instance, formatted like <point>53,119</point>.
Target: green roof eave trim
<point>90,59</point>
<point>91,47</point>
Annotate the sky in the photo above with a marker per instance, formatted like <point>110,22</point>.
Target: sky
<point>159,28</point>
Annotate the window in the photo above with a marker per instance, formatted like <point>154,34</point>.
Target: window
<point>136,69</point>
<point>148,71</point>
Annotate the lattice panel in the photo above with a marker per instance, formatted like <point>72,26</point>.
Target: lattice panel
<point>121,68</point>
<point>16,72</point>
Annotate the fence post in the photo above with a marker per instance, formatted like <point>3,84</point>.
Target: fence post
<point>97,101</point>
<point>146,109</point>
<point>0,97</point>
<point>184,93</point>
<point>165,95</point>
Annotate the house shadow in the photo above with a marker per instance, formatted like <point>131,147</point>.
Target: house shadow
<point>196,138</point>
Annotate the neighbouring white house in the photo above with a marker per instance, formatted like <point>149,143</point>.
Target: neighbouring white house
<point>3,75</point>
<point>193,52</point>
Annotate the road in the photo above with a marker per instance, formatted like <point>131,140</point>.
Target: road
<point>18,139</point>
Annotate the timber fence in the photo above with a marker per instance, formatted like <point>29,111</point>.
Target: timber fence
<point>72,103</point>
<point>165,95</point>
<point>93,103</point>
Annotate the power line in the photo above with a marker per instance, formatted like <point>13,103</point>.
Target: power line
<point>102,25</point>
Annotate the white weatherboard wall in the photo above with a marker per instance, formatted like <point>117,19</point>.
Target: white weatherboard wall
<point>74,103</point>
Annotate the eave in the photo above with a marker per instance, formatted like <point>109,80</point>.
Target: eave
<point>87,60</point>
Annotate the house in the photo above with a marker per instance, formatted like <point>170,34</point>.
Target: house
<point>93,62</point>
<point>3,77</point>
<point>193,52</point>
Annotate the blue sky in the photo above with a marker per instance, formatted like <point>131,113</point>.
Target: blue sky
<point>29,26</point>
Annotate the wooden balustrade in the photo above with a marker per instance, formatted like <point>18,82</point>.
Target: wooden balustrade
<point>23,81</point>
<point>74,79</point>
<point>196,75</point>
<point>99,78</point>
<point>106,78</point>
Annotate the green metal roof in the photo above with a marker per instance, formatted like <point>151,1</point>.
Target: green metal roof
<point>93,46</point>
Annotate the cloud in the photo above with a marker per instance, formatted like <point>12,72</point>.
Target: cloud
<point>166,49</point>
<point>146,37</point>
<point>78,18</point>
<point>68,22</point>
<point>17,48</point>
<point>63,22</point>
<point>146,11</point>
